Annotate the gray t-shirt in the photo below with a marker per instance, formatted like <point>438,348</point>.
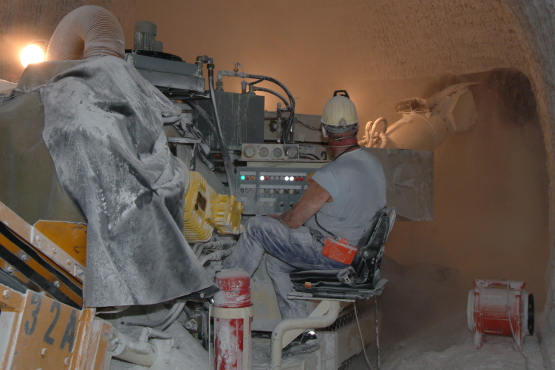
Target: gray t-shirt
<point>356,182</point>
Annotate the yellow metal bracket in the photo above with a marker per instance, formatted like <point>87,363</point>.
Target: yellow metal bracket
<point>37,332</point>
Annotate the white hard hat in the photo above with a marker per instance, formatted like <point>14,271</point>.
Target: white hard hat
<point>339,111</point>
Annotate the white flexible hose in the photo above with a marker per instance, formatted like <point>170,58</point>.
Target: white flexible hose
<point>86,32</point>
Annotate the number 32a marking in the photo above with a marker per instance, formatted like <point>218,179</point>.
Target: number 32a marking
<point>69,334</point>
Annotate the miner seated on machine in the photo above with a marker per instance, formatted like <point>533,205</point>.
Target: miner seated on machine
<point>342,199</point>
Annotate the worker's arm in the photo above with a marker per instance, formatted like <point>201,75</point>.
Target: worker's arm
<point>311,201</point>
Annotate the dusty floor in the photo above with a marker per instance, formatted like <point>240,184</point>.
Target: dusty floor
<point>423,326</point>
<point>434,349</point>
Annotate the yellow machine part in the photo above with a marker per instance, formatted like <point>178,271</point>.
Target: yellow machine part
<point>71,237</point>
<point>205,210</point>
<point>226,214</point>
<point>38,263</point>
<point>41,333</point>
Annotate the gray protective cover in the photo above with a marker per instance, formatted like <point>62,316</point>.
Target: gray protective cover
<point>28,181</point>
<point>104,130</point>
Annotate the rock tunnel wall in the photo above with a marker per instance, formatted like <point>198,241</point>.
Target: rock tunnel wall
<point>537,30</point>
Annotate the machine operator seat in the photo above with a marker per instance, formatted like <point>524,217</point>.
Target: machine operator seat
<point>362,279</point>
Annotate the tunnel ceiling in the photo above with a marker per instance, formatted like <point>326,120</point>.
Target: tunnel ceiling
<point>374,40</point>
<point>356,39</point>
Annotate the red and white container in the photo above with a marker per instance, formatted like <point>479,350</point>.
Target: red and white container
<point>232,312</point>
<point>500,307</point>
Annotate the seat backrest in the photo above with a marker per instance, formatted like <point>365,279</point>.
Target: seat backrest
<point>378,231</point>
<point>369,246</point>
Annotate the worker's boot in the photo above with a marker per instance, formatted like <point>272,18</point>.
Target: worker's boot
<point>306,342</point>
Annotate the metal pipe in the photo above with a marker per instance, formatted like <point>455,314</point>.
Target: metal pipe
<point>291,324</point>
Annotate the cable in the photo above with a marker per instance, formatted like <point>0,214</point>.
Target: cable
<point>309,127</point>
<point>174,314</point>
<point>165,322</point>
<point>285,135</point>
<point>197,108</point>
<point>223,148</point>
<point>362,339</point>
<point>309,155</point>
<point>377,333</point>
<point>519,348</point>
<point>263,89</point>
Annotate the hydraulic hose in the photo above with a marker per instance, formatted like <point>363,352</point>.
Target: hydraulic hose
<point>174,314</point>
<point>285,136</point>
<point>215,256</point>
<point>86,32</point>
<point>164,322</point>
<point>225,153</point>
<point>128,349</point>
<point>213,128</point>
<point>257,88</point>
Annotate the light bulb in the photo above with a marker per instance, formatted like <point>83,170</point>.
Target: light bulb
<point>31,54</point>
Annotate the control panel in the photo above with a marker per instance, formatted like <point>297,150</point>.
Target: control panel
<point>274,186</point>
<point>271,190</point>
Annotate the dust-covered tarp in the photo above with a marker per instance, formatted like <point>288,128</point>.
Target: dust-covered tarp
<point>104,130</point>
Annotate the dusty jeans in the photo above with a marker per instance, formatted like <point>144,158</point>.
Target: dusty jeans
<point>288,249</point>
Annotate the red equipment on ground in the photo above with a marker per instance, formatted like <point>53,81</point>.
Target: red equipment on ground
<point>500,307</point>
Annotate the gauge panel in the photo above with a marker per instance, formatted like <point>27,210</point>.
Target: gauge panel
<point>272,152</point>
